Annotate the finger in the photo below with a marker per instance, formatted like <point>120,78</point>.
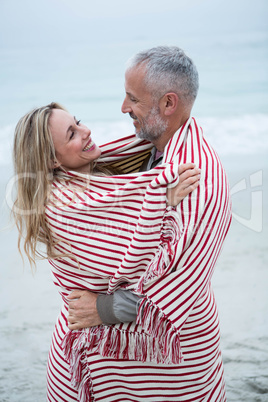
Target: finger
<point>190,188</point>
<point>190,180</point>
<point>74,326</point>
<point>188,174</point>
<point>179,191</point>
<point>186,166</point>
<point>71,319</point>
<point>80,324</point>
<point>72,309</point>
<point>75,294</point>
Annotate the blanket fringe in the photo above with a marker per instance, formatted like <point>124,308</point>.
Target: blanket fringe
<point>161,263</point>
<point>154,322</point>
<point>85,389</point>
<point>73,346</point>
<point>158,342</point>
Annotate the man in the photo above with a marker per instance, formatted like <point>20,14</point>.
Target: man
<point>161,85</point>
<point>156,115</point>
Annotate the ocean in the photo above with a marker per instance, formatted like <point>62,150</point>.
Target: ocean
<point>232,108</point>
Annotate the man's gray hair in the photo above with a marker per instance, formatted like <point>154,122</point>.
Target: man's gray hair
<point>168,69</point>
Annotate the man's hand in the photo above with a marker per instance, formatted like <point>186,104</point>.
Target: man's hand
<point>82,310</point>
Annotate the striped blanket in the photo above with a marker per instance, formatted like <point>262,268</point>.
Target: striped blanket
<point>117,232</point>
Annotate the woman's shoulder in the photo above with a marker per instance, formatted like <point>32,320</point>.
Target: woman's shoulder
<point>67,187</point>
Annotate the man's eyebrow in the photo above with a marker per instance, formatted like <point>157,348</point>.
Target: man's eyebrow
<point>130,94</point>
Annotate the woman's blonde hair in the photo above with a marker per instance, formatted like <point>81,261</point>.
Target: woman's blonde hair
<point>34,156</point>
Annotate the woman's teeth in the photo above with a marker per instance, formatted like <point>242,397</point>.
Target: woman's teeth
<point>88,146</point>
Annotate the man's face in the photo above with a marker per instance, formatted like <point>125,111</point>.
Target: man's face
<point>139,103</point>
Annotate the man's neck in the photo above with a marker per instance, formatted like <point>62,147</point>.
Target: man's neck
<point>161,142</point>
<point>154,160</point>
<point>158,154</point>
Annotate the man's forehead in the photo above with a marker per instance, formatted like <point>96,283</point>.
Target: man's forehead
<point>134,78</point>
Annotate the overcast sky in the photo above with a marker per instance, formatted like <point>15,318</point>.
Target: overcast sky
<point>59,21</point>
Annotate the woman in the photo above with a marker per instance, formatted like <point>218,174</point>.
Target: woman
<point>100,233</point>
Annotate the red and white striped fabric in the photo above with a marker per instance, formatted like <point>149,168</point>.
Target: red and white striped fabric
<point>121,234</point>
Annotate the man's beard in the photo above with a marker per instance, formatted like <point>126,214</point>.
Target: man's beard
<point>152,126</point>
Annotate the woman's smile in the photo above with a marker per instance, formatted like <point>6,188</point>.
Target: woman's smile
<point>90,146</point>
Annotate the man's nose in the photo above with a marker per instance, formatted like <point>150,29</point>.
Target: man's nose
<point>125,108</point>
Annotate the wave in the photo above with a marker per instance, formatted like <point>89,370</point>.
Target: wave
<point>239,135</point>
<point>243,135</point>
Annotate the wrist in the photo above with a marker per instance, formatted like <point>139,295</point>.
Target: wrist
<point>105,309</point>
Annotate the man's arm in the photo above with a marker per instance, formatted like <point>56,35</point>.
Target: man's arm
<point>88,309</point>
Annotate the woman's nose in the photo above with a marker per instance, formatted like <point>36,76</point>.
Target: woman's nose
<point>86,132</point>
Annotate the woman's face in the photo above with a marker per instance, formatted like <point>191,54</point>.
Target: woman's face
<point>74,147</point>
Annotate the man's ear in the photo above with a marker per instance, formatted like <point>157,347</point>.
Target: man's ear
<point>171,101</point>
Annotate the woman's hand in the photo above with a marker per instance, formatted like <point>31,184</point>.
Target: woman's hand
<point>189,181</point>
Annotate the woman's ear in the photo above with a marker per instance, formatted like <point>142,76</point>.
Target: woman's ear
<point>55,164</point>
<point>171,101</point>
